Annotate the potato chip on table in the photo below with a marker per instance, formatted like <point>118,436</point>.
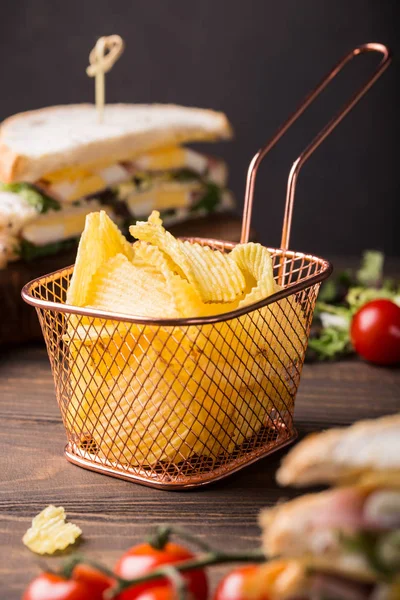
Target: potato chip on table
<point>49,531</point>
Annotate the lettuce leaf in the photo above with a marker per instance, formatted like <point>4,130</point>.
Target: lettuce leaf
<point>380,550</point>
<point>28,251</point>
<point>39,200</point>
<point>340,298</point>
<point>209,200</point>
<point>371,271</point>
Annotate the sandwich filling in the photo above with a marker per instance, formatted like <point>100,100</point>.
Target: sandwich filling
<point>45,217</point>
<point>356,527</point>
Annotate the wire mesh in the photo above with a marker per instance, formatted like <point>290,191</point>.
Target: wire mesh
<point>179,403</point>
<point>187,401</point>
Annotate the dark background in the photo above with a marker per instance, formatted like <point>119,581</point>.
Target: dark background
<point>255,60</point>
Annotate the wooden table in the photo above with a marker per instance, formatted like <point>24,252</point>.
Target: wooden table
<point>116,514</point>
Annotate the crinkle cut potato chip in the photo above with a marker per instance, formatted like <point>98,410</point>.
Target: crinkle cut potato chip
<point>218,277</point>
<point>152,232</point>
<point>164,411</point>
<point>152,260</point>
<point>255,262</point>
<point>100,241</point>
<point>212,273</point>
<point>188,280</point>
<point>157,264</point>
<point>50,532</point>
<point>145,393</point>
<point>119,284</point>
<point>162,394</point>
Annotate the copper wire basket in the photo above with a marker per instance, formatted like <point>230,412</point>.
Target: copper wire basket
<point>175,403</point>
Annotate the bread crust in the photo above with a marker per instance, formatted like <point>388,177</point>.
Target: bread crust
<point>18,165</point>
<point>338,454</point>
<point>8,164</point>
<point>12,164</point>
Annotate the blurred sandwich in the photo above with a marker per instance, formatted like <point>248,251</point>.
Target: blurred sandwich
<point>347,538</point>
<point>314,579</point>
<point>354,528</point>
<point>58,164</point>
<point>343,454</point>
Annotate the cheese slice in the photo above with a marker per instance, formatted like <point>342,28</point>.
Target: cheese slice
<point>74,183</point>
<point>163,159</point>
<point>70,190</point>
<point>171,195</point>
<point>74,173</point>
<point>56,226</point>
<point>172,158</point>
<point>87,186</point>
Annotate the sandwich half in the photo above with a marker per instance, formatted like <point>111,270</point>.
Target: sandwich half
<point>356,528</point>
<point>58,164</point>
<point>342,543</point>
<point>343,454</point>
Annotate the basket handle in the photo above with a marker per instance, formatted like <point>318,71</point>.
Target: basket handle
<point>319,138</point>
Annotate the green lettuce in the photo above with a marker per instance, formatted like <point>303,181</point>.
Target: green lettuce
<point>28,251</point>
<point>39,200</point>
<point>340,298</point>
<point>381,551</point>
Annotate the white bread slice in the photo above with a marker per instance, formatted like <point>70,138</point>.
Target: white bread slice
<point>338,454</point>
<point>43,141</point>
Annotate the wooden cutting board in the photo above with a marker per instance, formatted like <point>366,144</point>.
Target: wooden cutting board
<point>18,320</point>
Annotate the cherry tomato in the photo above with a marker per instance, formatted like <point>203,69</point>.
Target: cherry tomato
<point>94,579</point>
<point>49,586</point>
<point>240,584</point>
<point>142,559</point>
<point>157,593</point>
<point>375,332</point>
<point>86,583</point>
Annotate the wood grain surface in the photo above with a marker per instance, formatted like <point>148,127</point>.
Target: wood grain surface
<point>114,514</point>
